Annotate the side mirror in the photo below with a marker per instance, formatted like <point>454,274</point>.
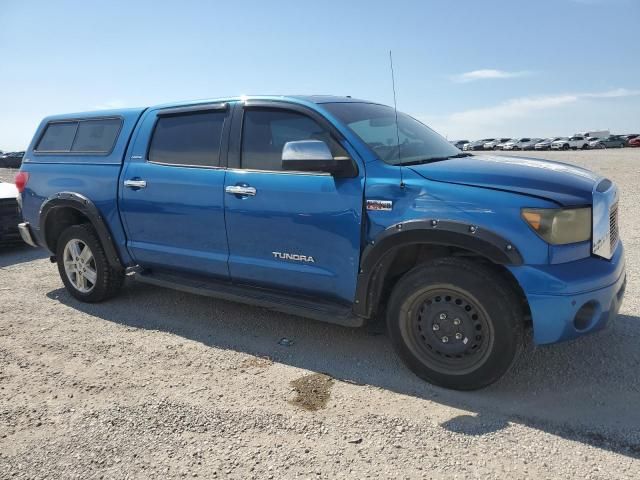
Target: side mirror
<point>315,156</point>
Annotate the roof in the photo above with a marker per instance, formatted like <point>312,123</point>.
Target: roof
<point>134,112</point>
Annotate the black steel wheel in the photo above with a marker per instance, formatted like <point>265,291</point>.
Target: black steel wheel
<point>448,330</point>
<point>456,323</point>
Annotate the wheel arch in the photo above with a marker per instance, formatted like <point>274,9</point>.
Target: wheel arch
<point>65,209</point>
<point>402,246</point>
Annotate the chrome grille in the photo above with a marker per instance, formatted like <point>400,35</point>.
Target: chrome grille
<point>605,219</point>
<point>613,226</point>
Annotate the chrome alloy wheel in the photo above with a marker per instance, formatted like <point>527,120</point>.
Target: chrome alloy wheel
<point>80,265</point>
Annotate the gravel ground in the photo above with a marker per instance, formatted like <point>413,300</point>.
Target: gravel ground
<point>157,383</point>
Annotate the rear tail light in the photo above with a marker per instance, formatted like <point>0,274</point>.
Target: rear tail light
<point>21,181</point>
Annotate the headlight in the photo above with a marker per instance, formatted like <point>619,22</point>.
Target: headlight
<point>560,226</point>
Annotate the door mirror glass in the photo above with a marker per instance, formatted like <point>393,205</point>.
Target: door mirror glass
<point>315,156</point>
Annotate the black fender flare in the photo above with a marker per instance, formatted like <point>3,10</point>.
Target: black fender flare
<point>378,255</point>
<point>87,208</point>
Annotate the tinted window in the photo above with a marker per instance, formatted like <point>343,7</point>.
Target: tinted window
<point>188,139</point>
<point>96,135</point>
<point>376,126</point>
<point>58,137</point>
<point>264,133</point>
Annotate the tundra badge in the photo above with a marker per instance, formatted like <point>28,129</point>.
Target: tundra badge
<point>294,256</point>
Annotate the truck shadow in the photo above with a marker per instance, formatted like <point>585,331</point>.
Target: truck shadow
<point>586,391</point>
<point>21,253</point>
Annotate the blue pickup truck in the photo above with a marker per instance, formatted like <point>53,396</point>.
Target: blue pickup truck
<point>334,209</point>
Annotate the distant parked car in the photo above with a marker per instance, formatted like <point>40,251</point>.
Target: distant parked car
<point>459,143</point>
<point>612,141</point>
<point>524,143</point>
<point>629,137</point>
<point>9,215</point>
<point>478,144</point>
<point>576,142</point>
<point>493,145</point>
<point>593,133</point>
<point>546,143</point>
<point>500,146</point>
<point>11,159</point>
<point>634,142</point>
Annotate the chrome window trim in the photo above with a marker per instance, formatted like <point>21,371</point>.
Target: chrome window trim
<point>281,172</point>
<point>207,167</point>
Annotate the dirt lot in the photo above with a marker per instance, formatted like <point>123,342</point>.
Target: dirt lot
<point>161,384</point>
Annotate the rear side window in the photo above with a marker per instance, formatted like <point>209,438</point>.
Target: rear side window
<point>188,139</point>
<point>58,137</point>
<point>80,136</point>
<point>96,135</point>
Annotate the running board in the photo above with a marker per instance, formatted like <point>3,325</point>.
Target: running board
<point>323,311</point>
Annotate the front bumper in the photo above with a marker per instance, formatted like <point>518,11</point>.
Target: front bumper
<point>572,299</point>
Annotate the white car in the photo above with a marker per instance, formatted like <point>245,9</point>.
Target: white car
<point>500,146</point>
<point>546,143</point>
<point>524,143</point>
<point>493,144</point>
<point>576,142</point>
<point>594,142</point>
<point>9,215</point>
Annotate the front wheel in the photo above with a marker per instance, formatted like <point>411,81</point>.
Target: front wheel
<point>83,265</point>
<point>455,323</point>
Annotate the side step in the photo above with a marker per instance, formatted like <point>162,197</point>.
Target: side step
<point>323,311</point>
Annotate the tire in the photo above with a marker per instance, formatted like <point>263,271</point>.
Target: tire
<point>585,147</point>
<point>470,354</point>
<point>100,281</point>
<point>565,146</point>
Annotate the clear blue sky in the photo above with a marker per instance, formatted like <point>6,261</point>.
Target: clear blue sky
<point>468,68</point>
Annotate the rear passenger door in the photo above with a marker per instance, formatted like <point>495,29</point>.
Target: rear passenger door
<point>294,231</point>
<point>171,191</point>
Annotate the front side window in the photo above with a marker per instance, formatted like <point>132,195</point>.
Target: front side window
<point>411,141</point>
<point>265,132</point>
<point>191,139</point>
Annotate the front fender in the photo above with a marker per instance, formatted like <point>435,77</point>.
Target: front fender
<point>379,254</point>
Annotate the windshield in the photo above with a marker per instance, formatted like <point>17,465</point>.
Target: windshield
<point>376,126</point>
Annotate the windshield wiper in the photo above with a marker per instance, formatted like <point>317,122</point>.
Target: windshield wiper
<point>435,159</point>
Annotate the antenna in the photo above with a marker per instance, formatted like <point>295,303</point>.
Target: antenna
<point>395,110</point>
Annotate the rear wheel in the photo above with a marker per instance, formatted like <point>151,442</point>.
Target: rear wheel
<point>565,146</point>
<point>455,323</point>
<point>83,265</point>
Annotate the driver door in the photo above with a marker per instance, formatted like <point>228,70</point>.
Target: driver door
<point>294,231</point>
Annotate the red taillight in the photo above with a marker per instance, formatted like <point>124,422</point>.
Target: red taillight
<point>21,181</point>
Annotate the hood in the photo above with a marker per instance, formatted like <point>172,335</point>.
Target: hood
<point>8,190</point>
<point>559,182</point>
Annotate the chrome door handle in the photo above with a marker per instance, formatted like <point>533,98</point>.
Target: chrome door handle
<point>135,183</point>
<point>240,190</point>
